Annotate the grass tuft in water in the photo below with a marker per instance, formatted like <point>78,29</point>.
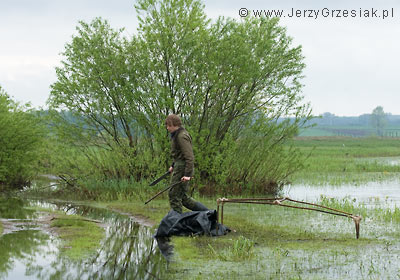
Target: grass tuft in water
<point>376,212</point>
<point>81,237</point>
<point>242,249</point>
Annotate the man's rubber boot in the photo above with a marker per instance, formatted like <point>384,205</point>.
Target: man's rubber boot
<point>199,207</point>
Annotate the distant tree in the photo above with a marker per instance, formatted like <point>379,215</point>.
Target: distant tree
<point>378,120</point>
<point>364,119</point>
<point>328,118</point>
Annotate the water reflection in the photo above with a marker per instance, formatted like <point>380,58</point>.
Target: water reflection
<point>166,247</point>
<point>372,193</point>
<point>127,252</point>
<point>17,248</point>
<point>391,161</point>
<point>14,208</point>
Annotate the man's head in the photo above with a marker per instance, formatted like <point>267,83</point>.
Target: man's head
<point>173,122</point>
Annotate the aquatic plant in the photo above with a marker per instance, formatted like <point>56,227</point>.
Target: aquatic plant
<point>241,249</point>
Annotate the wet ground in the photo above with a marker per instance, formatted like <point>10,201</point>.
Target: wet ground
<point>372,193</point>
<point>30,250</point>
<point>317,246</point>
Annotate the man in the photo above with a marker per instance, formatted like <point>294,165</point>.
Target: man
<point>182,166</point>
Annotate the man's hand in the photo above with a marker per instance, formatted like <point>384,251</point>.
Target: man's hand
<point>170,169</point>
<point>184,179</point>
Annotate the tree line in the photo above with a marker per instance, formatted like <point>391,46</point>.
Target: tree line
<point>378,123</point>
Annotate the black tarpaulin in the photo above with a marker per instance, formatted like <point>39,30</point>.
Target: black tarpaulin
<point>191,223</point>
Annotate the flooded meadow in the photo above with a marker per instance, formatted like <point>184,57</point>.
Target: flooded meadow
<point>266,241</point>
<point>297,244</point>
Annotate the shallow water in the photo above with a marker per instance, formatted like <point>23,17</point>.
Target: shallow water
<point>128,251</point>
<point>373,193</point>
<point>391,161</point>
<point>28,251</point>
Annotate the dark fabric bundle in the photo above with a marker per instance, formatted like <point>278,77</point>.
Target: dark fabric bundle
<point>191,223</point>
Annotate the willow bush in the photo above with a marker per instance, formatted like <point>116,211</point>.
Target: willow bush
<point>235,84</point>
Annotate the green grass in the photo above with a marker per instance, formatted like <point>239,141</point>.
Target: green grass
<point>154,211</point>
<point>378,212</point>
<point>271,242</point>
<point>240,250</point>
<point>344,160</point>
<point>80,237</point>
<point>1,228</point>
<point>315,132</point>
<point>350,146</point>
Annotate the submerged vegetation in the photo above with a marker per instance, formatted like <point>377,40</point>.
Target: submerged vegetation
<point>279,243</point>
<point>81,237</point>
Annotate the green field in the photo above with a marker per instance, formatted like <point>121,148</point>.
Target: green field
<point>341,160</point>
<point>349,131</point>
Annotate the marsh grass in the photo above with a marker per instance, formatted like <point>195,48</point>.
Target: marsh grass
<point>345,204</point>
<point>114,189</point>
<point>81,237</point>
<point>375,212</point>
<point>331,161</point>
<point>242,249</point>
<point>343,160</point>
<point>271,242</point>
<point>94,190</point>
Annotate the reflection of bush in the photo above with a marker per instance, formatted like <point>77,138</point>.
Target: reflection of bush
<point>128,252</point>
<point>13,208</point>
<point>19,245</point>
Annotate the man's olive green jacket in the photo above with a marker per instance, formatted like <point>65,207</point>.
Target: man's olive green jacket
<point>182,151</point>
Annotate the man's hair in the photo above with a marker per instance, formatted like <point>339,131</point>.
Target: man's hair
<point>173,120</point>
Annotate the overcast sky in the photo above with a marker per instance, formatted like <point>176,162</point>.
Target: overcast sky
<point>352,62</point>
